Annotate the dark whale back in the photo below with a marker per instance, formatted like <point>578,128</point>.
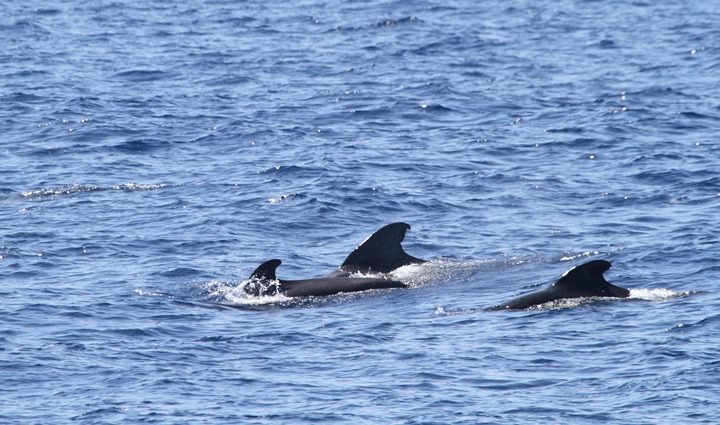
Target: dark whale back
<point>264,282</point>
<point>585,280</point>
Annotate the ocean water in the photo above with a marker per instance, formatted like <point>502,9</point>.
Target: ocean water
<point>153,153</point>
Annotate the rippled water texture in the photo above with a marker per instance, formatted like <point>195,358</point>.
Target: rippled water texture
<point>153,154</point>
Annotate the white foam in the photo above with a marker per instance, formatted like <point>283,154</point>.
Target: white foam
<point>77,188</point>
<point>135,186</point>
<point>567,303</point>
<point>440,311</point>
<point>576,256</point>
<point>655,294</point>
<point>236,295</point>
<point>61,190</point>
<point>443,270</point>
<point>282,198</point>
<point>148,293</point>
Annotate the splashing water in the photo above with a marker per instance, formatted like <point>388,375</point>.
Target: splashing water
<point>445,270</point>
<point>656,294</point>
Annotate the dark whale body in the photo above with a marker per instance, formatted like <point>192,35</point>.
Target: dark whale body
<point>378,254</point>
<point>264,282</point>
<point>585,280</point>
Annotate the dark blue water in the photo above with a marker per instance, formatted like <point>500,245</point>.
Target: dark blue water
<point>153,153</point>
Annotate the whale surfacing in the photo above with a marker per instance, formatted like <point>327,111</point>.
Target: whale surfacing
<point>264,282</point>
<point>585,280</point>
<point>380,253</point>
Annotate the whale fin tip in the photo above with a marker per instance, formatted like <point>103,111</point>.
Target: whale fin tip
<point>266,270</point>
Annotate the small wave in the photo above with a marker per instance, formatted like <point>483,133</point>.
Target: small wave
<point>576,256</point>
<point>682,198</point>
<point>22,97</point>
<point>232,80</point>
<point>100,412</point>
<point>607,44</point>
<point>293,170</point>
<point>148,293</point>
<point>140,146</point>
<point>135,186</point>
<point>436,108</point>
<point>61,190</point>
<point>79,188</point>
<point>282,198</point>
<point>142,75</point>
<point>393,22</point>
<point>181,272</point>
<point>440,311</point>
<point>48,12</point>
<point>565,130</point>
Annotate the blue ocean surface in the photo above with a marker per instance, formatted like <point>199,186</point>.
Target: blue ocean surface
<point>154,153</point>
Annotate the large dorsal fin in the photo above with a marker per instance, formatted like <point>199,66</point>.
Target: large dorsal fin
<point>589,277</point>
<point>381,252</point>
<point>266,270</point>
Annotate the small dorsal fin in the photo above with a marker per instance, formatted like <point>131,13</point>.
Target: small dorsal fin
<point>266,270</point>
<point>381,252</point>
<point>589,277</point>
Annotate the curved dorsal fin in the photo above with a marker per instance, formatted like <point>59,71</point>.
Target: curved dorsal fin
<point>591,268</point>
<point>381,252</point>
<point>266,270</point>
<point>589,277</point>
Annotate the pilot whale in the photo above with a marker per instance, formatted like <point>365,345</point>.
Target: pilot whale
<point>380,253</point>
<point>585,280</point>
